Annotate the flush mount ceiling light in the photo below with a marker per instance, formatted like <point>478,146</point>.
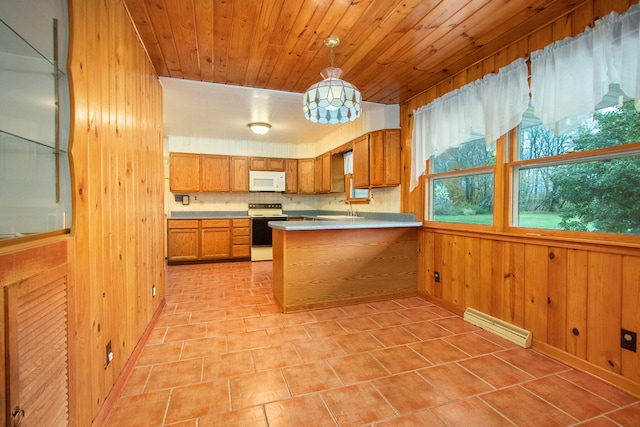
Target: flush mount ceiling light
<point>259,128</point>
<point>332,100</point>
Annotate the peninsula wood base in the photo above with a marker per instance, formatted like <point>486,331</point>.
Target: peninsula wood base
<point>314,269</point>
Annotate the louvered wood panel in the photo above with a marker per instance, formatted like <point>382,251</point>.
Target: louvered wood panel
<point>36,321</point>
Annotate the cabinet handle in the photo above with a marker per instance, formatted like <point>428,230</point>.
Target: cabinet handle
<point>18,416</point>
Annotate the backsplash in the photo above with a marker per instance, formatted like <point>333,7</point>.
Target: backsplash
<point>384,200</point>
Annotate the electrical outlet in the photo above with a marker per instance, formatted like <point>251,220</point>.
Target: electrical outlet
<point>628,340</point>
<point>436,277</point>
<point>109,354</point>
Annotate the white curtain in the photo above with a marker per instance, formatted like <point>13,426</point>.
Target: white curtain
<point>570,77</point>
<point>490,106</point>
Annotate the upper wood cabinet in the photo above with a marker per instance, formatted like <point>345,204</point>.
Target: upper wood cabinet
<point>266,164</point>
<point>306,176</point>
<point>214,175</point>
<point>202,172</point>
<point>323,173</point>
<point>384,158</point>
<point>376,159</point>
<point>291,175</point>
<point>361,162</point>
<point>239,171</point>
<point>184,172</point>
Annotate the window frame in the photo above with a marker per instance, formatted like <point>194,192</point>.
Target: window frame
<point>515,165</point>
<point>498,196</point>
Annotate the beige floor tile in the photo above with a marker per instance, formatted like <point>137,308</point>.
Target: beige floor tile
<point>311,377</point>
<point>258,388</point>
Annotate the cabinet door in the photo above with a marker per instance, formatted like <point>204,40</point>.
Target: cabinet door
<point>184,172</point>
<point>361,162</point>
<point>318,175</point>
<point>215,173</point>
<point>326,173</point>
<point>376,159</point>
<point>182,244</point>
<point>215,239</point>
<point>239,170</point>
<point>392,157</point>
<point>291,175</point>
<point>258,164</point>
<point>275,164</point>
<point>36,349</point>
<point>306,176</point>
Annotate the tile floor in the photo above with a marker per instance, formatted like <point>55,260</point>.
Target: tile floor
<point>222,354</point>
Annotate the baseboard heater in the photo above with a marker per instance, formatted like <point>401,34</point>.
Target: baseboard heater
<point>516,335</point>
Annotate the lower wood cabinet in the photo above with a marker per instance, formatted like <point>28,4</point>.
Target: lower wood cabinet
<point>183,240</point>
<point>208,239</point>
<point>215,238</point>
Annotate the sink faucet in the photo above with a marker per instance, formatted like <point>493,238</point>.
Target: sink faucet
<point>350,210</point>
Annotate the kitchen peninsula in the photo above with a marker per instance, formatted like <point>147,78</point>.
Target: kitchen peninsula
<point>330,263</point>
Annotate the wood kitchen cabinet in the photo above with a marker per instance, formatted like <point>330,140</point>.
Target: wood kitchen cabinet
<point>376,159</point>
<point>215,239</point>
<point>306,176</point>
<point>361,162</point>
<point>266,164</point>
<point>199,173</point>
<point>208,239</point>
<point>240,238</point>
<point>239,174</point>
<point>184,172</point>
<point>323,173</point>
<point>384,158</point>
<point>291,175</point>
<point>183,239</point>
<point>214,175</point>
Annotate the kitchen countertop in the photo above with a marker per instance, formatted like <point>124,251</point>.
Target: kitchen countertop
<point>312,222</point>
<point>208,214</point>
<point>342,224</point>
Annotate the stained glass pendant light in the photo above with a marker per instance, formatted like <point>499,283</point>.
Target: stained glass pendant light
<point>332,100</point>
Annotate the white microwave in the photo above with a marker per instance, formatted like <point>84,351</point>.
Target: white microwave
<point>266,181</point>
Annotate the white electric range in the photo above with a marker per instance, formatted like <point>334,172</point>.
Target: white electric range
<point>261,214</point>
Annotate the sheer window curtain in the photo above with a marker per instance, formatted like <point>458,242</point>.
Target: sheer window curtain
<point>570,77</point>
<point>490,106</point>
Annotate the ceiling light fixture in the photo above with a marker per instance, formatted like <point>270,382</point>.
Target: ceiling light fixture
<point>332,100</point>
<point>259,128</point>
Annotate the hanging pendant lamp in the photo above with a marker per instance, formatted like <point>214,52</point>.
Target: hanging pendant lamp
<point>332,100</point>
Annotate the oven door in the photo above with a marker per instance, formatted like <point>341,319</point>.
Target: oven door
<point>261,232</point>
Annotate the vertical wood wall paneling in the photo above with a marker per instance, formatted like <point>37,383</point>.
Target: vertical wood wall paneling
<point>576,341</point>
<point>631,313</point>
<point>118,187</point>
<point>604,293</point>
<point>471,271</point>
<point>557,306</point>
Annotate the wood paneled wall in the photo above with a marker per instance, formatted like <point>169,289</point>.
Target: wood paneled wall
<point>573,296</point>
<point>117,184</point>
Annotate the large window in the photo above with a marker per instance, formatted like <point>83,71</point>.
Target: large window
<point>587,179</point>
<point>461,183</point>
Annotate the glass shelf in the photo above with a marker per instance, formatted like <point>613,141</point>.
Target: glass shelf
<point>35,189</point>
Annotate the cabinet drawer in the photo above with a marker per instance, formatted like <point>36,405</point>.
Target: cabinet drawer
<point>215,223</point>
<point>182,223</point>
<point>240,251</point>
<point>240,240</point>
<point>240,231</point>
<point>241,222</point>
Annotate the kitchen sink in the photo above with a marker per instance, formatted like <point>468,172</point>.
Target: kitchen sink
<point>339,217</point>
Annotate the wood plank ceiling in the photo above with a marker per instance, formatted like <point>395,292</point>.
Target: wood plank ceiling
<point>390,49</point>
